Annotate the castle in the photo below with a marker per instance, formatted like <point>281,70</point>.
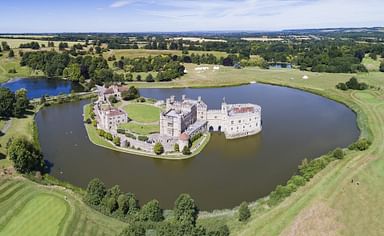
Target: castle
<point>183,119</point>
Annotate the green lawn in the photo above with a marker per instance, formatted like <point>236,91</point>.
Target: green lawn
<point>29,209</point>
<point>140,129</point>
<point>143,113</point>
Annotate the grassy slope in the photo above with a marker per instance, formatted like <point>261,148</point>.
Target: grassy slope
<point>13,63</point>
<point>330,204</point>
<point>38,210</point>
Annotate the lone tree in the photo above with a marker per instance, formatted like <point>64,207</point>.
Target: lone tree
<point>11,54</point>
<point>338,153</point>
<point>244,212</point>
<point>131,93</point>
<point>25,156</point>
<point>7,100</point>
<point>149,78</point>
<point>186,210</point>
<point>152,212</point>
<point>158,149</point>
<point>95,192</point>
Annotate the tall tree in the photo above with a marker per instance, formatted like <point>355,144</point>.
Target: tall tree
<point>25,156</point>
<point>152,212</point>
<point>7,100</point>
<point>186,210</point>
<point>95,192</point>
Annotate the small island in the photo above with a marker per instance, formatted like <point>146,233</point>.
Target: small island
<point>170,129</point>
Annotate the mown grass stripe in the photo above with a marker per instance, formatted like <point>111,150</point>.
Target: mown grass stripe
<point>11,191</point>
<point>14,210</point>
<point>6,186</point>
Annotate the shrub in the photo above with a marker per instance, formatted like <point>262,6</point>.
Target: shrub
<point>244,212</point>
<point>12,71</point>
<point>360,145</point>
<point>116,141</point>
<point>143,138</point>
<point>140,99</point>
<point>176,147</point>
<point>108,136</point>
<point>94,123</point>
<point>121,131</point>
<point>186,151</point>
<point>129,135</point>
<point>342,86</point>
<point>149,78</point>
<point>158,149</point>
<point>112,99</point>
<point>297,180</point>
<point>338,153</point>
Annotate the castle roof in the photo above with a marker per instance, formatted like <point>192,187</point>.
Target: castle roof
<point>184,137</point>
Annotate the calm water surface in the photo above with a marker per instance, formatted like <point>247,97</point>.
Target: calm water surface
<point>296,125</point>
<point>40,87</point>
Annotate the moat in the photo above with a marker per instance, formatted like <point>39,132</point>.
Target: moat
<point>296,125</point>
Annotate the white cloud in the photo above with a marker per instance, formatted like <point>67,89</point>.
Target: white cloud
<point>119,4</point>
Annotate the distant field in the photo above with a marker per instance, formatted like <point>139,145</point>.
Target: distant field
<point>197,39</point>
<point>29,209</point>
<point>133,53</point>
<point>15,42</point>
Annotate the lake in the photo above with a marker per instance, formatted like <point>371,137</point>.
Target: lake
<point>41,87</point>
<point>296,125</point>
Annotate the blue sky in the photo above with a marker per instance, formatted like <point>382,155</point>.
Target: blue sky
<point>185,15</point>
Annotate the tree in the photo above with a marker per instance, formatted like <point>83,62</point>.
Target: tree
<point>176,147</point>
<point>22,102</point>
<point>112,99</point>
<point>152,212</point>
<point>7,100</point>
<point>72,72</point>
<point>244,212</point>
<point>116,141</point>
<point>134,229</point>
<point>382,66</point>
<point>25,156</point>
<point>158,149</point>
<point>138,77</point>
<point>95,192</point>
<point>186,151</point>
<point>11,54</point>
<point>149,78</point>
<point>130,94</point>
<point>186,210</point>
<point>338,153</point>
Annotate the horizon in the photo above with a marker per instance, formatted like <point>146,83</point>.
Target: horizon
<point>171,16</point>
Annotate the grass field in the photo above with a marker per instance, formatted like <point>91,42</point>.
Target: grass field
<point>15,42</point>
<point>30,209</point>
<point>142,113</point>
<point>13,63</point>
<point>140,129</point>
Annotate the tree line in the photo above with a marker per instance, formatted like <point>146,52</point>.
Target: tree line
<point>125,206</point>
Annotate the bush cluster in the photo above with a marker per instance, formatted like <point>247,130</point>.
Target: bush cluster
<point>352,84</point>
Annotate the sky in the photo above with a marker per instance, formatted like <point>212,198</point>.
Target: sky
<point>50,16</point>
